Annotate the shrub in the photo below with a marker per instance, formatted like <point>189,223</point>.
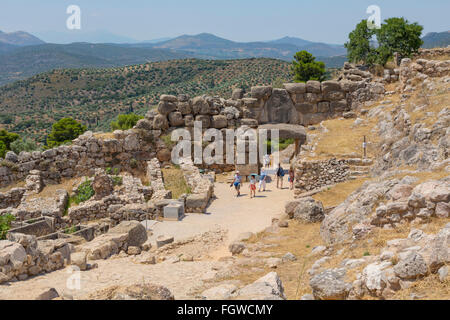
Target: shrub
<point>23,145</point>
<point>282,144</point>
<point>125,121</point>
<point>6,138</point>
<point>5,225</point>
<point>84,192</point>
<point>2,149</point>
<point>117,180</point>
<point>64,131</point>
<point>305,67</point>
<point>133,163</point>
<point>70,230</point>
<point>395,35</point>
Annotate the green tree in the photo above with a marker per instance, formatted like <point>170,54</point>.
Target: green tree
<point>7,138</point>
<point>2,149</point>
<point>358,46</point>
<point>23,145</point>
<point>64,131</point>
<point>5,225</point>
<point>395,35</point>
<point>125,121</point>
<point>305,67</point>
<point>398,35</point>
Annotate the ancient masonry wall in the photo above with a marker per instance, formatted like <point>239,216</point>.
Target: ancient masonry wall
<point>126,150</point>
<point>297,103</point>
<point>314,174</point>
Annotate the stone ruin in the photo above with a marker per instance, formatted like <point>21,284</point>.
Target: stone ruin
<point>108,223</point>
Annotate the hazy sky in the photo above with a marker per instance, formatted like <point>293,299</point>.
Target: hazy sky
<point>245,20</point>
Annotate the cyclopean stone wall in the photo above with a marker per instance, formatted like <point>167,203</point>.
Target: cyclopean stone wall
<point>125,150</point>
<point>314,174</point>
<point>297,103</point>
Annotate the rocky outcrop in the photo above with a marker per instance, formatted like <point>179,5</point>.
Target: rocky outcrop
<point>268,287</point>
<point>22,256</point>
<point>362,211</point>
<point>305,210</point>
<point>120,238</point>
<point>87,153</point>
<point>133,292</point>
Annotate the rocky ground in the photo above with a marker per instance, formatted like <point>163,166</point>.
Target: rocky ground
<point>378,231</point>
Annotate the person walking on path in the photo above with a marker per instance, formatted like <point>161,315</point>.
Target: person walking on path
<point>266,160</point>
<point>262,180</point>
<point>291,178</point>
<point>252,186</point>
<point>280,176</point>
<point>237,183</point>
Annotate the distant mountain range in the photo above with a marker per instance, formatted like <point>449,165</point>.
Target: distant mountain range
<point>436,39</point>
<point>19,38</point>
<point>23,55</point>
<point>24,62</point>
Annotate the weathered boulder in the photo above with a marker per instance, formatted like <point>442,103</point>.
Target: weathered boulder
<point>309,210</point>
<point>261,92</point>
<point>103,186</point>
<point>295,88</point>
<point>236,247</point>
<point>160,122</point>
<point>313,86</point>
<point>219,122</point>
<point>133,292</point>
<point>413,266</point>
<point>268,287</point>
<point>222,292</point>
<point>168,98</point>
<point>176,119</point>
<point>166,107</point>
<point>237,94</point>
<point>200,106</point>
<point>330,285</point>
<point>48,294</point>
<point>136,232</point>
<point>79,259</point>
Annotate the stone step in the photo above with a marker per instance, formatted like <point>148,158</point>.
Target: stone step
<point>359,168</point>
<point>357,177</point>
<point>358,173</point>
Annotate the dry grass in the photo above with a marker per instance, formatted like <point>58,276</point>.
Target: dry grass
<point>428,288</point>
<point>376,242</point>
<point>18,184</point>
<point>50,190</point>
<point>104,135</point>
<point>298,239</point>
<point>336,194</point>
<point>422,176</point>
<point>343,138</point>
<point>175,182</point>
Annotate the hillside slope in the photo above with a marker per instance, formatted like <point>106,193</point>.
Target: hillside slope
<point>27,61</point>
<point>436,39</point>
<point>96,96</point>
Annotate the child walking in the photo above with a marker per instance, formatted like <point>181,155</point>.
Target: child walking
<point>291,178</point>
<point>252,186</point>
<point>237,183</point>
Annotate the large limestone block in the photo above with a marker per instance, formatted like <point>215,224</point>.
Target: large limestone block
<point>137,234</point>
<point>279,108</point>
<point>261,92</point>
<point>295,88</point>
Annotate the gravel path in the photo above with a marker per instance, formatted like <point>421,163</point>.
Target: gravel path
<point>236,215</point>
